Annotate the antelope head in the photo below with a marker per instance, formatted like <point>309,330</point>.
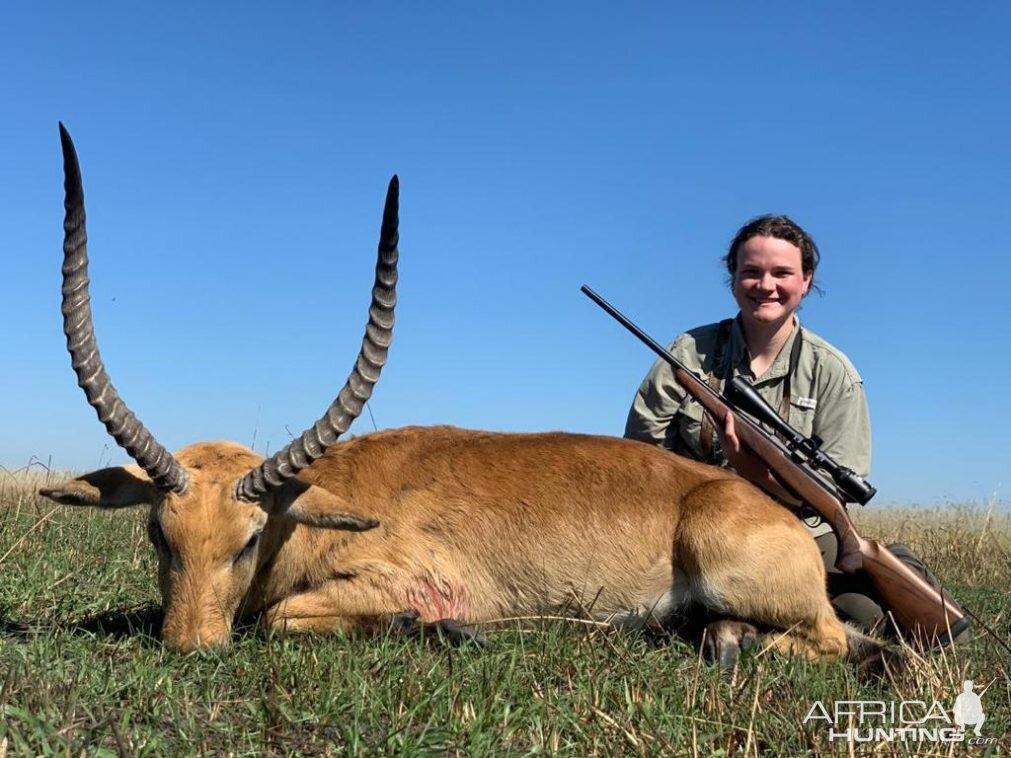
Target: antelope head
<point>218,510</point>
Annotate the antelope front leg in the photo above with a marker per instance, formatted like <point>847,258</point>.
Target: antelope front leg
<point>377,598</point>
<point>447,630</point>
<point>339,605</point>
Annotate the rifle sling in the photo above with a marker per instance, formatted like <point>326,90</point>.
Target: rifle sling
<point>721,369</point>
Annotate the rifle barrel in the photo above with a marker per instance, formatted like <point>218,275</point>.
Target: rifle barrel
<point>648,341</point>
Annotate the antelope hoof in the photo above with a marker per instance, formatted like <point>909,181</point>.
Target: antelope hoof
<point>447,630</point>
<point>723,641</point>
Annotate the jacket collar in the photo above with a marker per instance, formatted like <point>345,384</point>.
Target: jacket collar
<point>740,358</point>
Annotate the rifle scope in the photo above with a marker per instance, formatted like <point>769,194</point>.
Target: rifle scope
<point>743,396</point>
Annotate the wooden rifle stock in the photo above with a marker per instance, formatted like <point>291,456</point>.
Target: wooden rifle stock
<point>920,609</point>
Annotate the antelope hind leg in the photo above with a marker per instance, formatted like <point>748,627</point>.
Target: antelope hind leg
<point>724,641</point>
<point>748,558</point>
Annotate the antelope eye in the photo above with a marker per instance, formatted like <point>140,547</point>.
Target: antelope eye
<point>249,547</point>
<point>157,536</point>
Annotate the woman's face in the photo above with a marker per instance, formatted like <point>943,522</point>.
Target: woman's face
<point>770,281</point>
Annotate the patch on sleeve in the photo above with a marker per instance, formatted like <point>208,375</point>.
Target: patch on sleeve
<point>806,402</point>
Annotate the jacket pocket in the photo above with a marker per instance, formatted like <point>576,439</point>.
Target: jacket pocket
<point>802,415</point>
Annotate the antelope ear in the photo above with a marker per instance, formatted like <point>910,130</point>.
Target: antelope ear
<point>315,506</point>
<point>116,487</point>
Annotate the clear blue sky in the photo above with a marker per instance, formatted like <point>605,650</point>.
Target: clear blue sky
<point>235,157</point>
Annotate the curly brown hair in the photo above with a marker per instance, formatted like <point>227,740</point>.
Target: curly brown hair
<point>780,227</point>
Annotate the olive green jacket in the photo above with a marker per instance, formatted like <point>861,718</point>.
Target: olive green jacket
<point>826,396</point>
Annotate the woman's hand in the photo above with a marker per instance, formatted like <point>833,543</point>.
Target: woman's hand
<point>749,465</point>
<point>741,460</point>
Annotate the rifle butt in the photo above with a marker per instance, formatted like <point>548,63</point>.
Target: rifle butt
<point>921,610</point>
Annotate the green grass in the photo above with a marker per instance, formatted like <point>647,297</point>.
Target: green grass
<point>80,671</point>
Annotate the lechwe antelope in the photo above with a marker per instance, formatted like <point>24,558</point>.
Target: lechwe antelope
<point>438,523</point>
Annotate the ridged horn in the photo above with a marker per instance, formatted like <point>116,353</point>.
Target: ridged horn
<point>126,429</point>
<point>314,441</point>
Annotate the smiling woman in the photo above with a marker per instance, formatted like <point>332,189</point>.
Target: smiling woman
<point>771,265</point>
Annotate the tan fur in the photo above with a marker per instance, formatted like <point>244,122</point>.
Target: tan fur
<point>477,526</point>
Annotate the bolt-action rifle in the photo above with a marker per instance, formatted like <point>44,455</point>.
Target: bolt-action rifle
<point>920,609</point>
